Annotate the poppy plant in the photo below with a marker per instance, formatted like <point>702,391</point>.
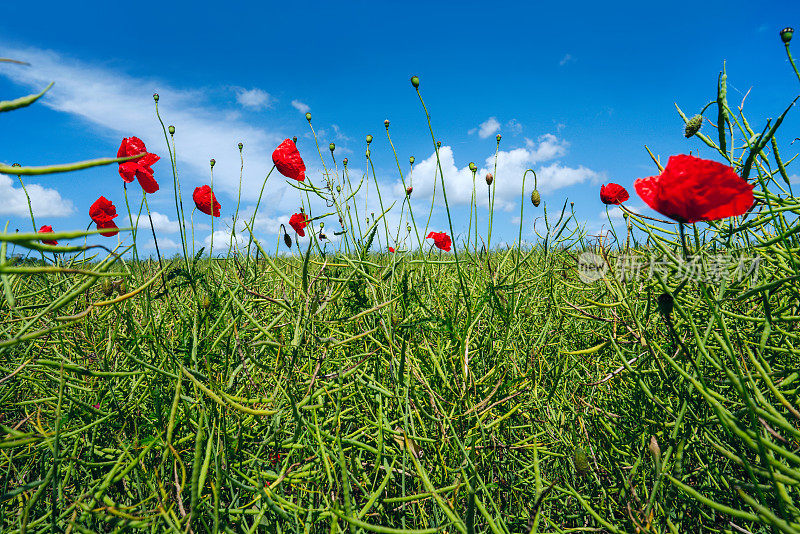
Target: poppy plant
<point>288,161</point>
<point>47,229</point>
<point>205,201</point>
<point>391,249</point>
<point>691,189</point>
<point>441,240</point>
<point>298,221</point>
<point>613,194</point>
<point>102,213</point>
<point>139,167</point>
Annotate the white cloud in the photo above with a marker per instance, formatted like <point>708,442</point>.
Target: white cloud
<point>164,243</point>
<point>253,98</point>
<point>117,105</point>
<point>488,127</point>
<point>45,202</point>
<point>222,241</point>
<point>511,165</point>
<point>566,59</point>
<point>615,212</point>
<point>301,107</point>
<point>161,223</point>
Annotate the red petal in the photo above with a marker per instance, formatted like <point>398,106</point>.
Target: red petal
<point>108,224</point>
<point>128,170</point>
<point>145,176</point>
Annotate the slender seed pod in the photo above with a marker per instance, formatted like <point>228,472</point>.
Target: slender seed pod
<point>536,198</point>
<point>693,126</point>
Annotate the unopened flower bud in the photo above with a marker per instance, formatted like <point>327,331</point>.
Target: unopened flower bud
<point>155,97</point>
<point>213,162</point>
<point>332,147</point>
<point>489,178</point>
<point>415,82</point>
<point>580,460</point>
<point>655,450</point>
<point>473,167</point>
<point>369,139</point>
<point>338,188</point>
<point>386,123</point>
<point>409,190</point>
<point>287,240</point>
<point>438,144</point>
<point>786,34</point>
<point>171,129</point>
<point>294,139</point>
<point>308,117</point>
<point>693,126</point>
<point>411,160</point>
<point>536,198</point>
<point>241,146</point>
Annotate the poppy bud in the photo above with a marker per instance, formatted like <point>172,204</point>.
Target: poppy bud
<point>655,450</point>
<point>408,228</point>
<point>693,126</point>
<point>665,304</point>
<point>489,178</point>
<point>536,198</point>
<point>332,147</point>
<point>171,129</point>
<point>409,190</point>
<point>386,123</point>
<point>241,146</point>
<point>472,167</point>
<point>338,188</point>
<point>213,162</point>
<point>438,144</point>
<point>786,35</point>
<point>287,240</point>
<point>107,287</point>
<point>308,117</point>
<point>411,160</point>
<point>499,137</point>
<point>294,139</point>
<point>155,97</point>
<point>369,139</point>
<point>580,460</point>
<point>415,82</point>
<point>345,162</point>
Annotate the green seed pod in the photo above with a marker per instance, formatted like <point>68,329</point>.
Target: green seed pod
<point>332,147</point>
<point>693,126</point>
<point>536,198</point>
<point>411,160</point>
<point>171,130</point>
<point>786,34</point>
<point>386,123</point>
<point>294,139</point>
<point>438,144</point>
<point>415,82</point>
<point>665,304</point>
<point>473,167</point>
<point>489,178</point>
<point>499,137</point>
<point>345,162</point>
<point>338,188</point>
<point>213,162</point>
<point>308,117</point>
<point>155,97</point>
<point>369,139</point>
<point>241,146</point>
<point>580,461</point>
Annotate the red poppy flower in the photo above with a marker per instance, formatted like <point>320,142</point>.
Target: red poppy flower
<point>298,221</point>
<point>288,161</point>
<point>691,189</point>
<point>441,240</point>
<point>391,249</point>
<point>613,194</point>
<point>140,167</point>
<point>102,213</point>
<point>205,201</point>
<point>47,229</point>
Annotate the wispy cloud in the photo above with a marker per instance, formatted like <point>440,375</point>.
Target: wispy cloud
<point>254,99</point>
<point>45,202</point>
<point>301,107</point>
<point>488,127</point>
<point>514,126</point>
<point>566,59</point>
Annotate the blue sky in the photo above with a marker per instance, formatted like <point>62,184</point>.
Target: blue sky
<point>576,89</point>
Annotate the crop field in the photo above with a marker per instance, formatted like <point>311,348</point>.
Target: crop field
<point>644,380</point>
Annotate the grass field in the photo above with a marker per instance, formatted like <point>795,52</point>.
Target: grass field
<point>415,391</point>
